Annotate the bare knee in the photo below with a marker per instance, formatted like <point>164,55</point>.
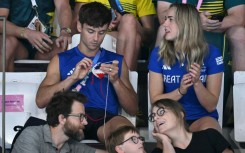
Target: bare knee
<point>11,46</point>
<point>128,22</point>
<point>113,124</point>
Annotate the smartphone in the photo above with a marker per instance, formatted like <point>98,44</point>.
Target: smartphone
<point>219,17</point>
<point>113,14</point>
<point>116,5</point>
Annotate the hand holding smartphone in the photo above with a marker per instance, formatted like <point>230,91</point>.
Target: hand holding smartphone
<point>219,17</point>
<point>113,14</point>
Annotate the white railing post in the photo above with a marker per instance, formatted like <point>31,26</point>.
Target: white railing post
<point>3,79</point>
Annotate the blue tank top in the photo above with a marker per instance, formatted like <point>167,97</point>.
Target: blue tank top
<point>95,89</point>
<point>172,75</point>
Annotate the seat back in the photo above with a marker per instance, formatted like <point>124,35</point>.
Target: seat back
<point>219,109</point>
<point>239,105</point>
<point>20,91</point>
<point>109,42</point>
<point>133,77</point>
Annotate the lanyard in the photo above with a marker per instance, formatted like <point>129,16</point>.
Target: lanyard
<point>198,4</point>
<point>83,81</point>
<point>34,6</point>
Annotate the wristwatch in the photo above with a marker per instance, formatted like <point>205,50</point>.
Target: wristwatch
<point>68,30</point>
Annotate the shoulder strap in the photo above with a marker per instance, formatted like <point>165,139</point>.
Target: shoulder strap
<point>198,4</point>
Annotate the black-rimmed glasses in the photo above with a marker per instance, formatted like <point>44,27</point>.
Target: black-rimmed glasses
<point>80,116</point>
<point>160,112</point>
<point>134,139</point>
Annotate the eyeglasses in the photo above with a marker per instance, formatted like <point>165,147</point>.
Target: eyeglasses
<point>160,112</point>
<point>80,116</point>
<point>134,139</point>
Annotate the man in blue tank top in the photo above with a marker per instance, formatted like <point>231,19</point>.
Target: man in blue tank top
<point>95,72</point>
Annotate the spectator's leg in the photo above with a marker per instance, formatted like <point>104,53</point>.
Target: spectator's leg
<point>48,56</point>
<point>205,123</point>
<point>112,125</point>
<point>236,37</point>
<point>14,50</point>
<point>129,40</point>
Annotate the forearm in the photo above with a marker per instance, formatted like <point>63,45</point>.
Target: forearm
<point>46,92</point>
<point>230,21</point>
<point>206,98</point>
<point>127,97</point>
<point>235,17</point>
<point>64,14</point>
<point>162,8</point>
<point>12,29</point>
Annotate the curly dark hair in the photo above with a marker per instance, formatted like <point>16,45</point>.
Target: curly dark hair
<point>61,103</point>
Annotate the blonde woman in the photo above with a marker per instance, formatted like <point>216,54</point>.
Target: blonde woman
<point>185,68</point>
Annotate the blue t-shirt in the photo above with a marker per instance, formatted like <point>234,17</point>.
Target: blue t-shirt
<point>172,75</point>
<point>95,89</point>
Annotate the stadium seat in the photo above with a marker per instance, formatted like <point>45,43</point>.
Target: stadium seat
<point>239,105</point>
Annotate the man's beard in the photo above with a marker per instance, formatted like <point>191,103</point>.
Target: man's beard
<point>73,132</point>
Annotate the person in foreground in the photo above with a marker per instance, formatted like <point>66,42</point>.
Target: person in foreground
<point>125,139</point>
<point>189,69</point>
<point>171,129</point>
<point>102,76</point>
<point>64,129</point>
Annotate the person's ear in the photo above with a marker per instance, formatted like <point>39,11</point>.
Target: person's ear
<point>182,115</point>
<point>79,26</point>
<point>62,119</point>
<point>119,149</point>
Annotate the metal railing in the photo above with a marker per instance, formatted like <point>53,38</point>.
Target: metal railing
<point>3,19</point>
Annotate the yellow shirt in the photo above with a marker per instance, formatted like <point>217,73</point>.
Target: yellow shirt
<point>139,8</point>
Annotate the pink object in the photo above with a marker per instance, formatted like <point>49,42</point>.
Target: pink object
<point>198,4</point>
<point>13,103</point>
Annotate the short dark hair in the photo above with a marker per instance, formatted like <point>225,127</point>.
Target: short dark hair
<point>117,137</point>
<point>95,14</point>
<point>61,103</point>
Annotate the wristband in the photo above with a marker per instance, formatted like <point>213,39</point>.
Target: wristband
<point>22,32</point>
<point>68,30</point>
<point>180,92</point>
